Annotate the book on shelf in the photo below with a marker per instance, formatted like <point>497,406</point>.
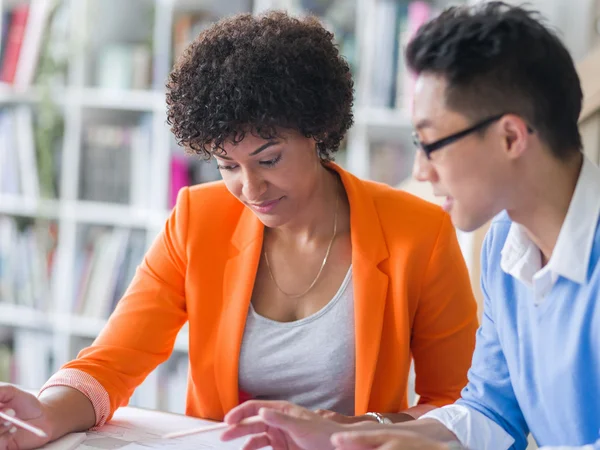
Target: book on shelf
<point>141,154</point>
<point>339,17</point>
<point>105,264</point>
<point>5,17</point>
<point>179,177</point>
<point>10,182</point>
<point>27,157</point>
<point>186,27</point>
<point>20,156</point>
<point>105,163</point>
<point>14,41</point>
<point>27,250</point>
<point>124,66</point>
<point>119,44</point>
<point>188,170</point>
<point>24,27</point>
<point>418,13</point>
<point>397,22</point>
<point>107,260</point>
<point>26,357</point>
<point>37,20</point>
<point>115,163</point>
<point>6,362</point>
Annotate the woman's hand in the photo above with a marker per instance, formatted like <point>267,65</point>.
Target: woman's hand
<point>384,440</point>
<point>284,426</point>
<point>341,418</point>
<point>25,406</point>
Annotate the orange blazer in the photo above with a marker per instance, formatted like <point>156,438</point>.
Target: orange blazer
<point>411,291</point>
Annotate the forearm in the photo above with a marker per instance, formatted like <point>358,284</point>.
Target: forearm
<point>430,428</point>
<point>68,410</point>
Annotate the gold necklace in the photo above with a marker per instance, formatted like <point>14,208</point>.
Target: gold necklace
<point>322,264</point>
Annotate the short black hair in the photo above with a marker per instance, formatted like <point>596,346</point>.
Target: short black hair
<point>498,58</point>
<point>260,74</point>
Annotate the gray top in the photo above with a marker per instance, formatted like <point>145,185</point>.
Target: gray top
<point>310,362</point>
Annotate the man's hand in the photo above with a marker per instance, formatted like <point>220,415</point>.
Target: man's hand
<point>284,426</point>
<point>384,440</point>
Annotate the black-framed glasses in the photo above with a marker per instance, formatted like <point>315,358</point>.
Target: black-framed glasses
<point>428,149</point>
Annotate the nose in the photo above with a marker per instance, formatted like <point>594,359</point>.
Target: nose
<point>253,185</point>
<point>423,170</point>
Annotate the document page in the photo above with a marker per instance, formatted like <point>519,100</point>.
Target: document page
<point>68,442</point>
<point>137,429</point>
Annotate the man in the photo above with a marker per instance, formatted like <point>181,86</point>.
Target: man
<point>495,110</point>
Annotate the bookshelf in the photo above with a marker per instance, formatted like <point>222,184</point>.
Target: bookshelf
<point>78,113</point>
<point>52,308</point>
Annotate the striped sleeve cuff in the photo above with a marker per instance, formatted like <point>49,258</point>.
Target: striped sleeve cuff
<point>88,386</point>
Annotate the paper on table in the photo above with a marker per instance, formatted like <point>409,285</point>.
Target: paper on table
<point>68,442</point>
<point>137,429</point>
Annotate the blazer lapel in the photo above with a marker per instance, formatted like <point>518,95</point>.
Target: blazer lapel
<point>238,283</point>
<point>370,292</point>
<point>369,249</point>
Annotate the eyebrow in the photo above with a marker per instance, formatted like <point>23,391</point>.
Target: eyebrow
<point>255,152</point>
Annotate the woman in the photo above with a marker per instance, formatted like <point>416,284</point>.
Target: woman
<point>300,281</point>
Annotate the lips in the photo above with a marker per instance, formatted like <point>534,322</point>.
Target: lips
<point>264,207</point>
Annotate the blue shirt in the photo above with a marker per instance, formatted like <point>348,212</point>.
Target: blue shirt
<point>536,365</point>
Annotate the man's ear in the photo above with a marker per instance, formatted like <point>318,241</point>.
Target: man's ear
<point>516,134</point>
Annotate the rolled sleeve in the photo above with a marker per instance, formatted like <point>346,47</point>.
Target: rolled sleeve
<point>474,430</point>
<point>88,386</point>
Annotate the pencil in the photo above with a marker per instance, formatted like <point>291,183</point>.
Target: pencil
<point>24,425</point>
<point>209,428</point>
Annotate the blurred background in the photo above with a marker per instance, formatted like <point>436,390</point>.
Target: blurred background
<point>89,170</point>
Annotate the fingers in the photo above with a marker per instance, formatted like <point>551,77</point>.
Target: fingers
<point>251,408</point>
<point>294,424</point>
<point>289,418</point>
<point>238,431</point>
<point>6,426</point>
<point>7,392</point>
<point>7,429</point>
<point>257,442</point>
